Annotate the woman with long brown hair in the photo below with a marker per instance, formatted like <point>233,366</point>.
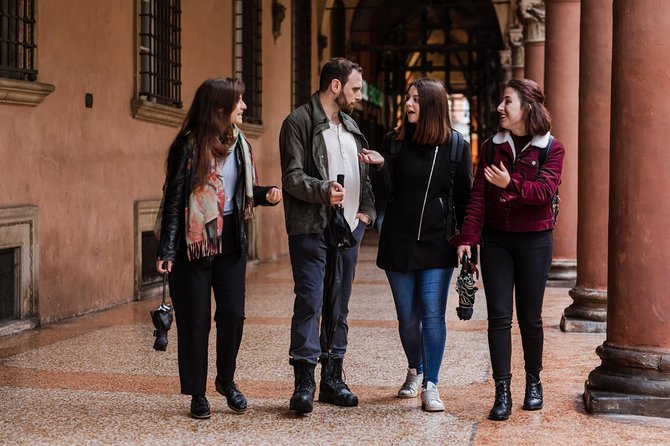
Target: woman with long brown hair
<point>427,190</point>
<point>210,191</point>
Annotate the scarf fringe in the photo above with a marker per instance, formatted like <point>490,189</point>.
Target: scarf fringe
<point>204,248</point>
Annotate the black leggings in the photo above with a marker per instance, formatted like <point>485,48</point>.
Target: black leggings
<point>518,260</point>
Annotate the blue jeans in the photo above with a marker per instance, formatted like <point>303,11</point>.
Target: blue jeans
<point>420,301</point>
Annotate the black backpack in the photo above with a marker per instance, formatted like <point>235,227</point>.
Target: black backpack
<point>455,157</point>
<point>544,152</point>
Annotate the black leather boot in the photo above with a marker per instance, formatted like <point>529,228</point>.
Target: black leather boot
<point>502,407</point>
<point>302,400</point>
<point>534,398</point>
<point>332,389</point>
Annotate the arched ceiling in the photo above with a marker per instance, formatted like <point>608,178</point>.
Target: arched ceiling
<point>453,40</point>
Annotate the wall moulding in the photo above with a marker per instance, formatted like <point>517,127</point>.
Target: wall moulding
<point>18,230</point>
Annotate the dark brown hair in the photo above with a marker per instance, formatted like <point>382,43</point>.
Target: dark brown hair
<point>208,122</point>
<point>337,68</point>
<point>538,120</point>
<point>434,125</point>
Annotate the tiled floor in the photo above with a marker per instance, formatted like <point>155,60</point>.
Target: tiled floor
<point>97,380</point>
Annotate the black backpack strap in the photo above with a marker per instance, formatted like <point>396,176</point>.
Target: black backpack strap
<point>455,156</point>
<point>545,152</point>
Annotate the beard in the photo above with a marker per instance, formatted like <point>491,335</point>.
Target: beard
<point>341,102</point>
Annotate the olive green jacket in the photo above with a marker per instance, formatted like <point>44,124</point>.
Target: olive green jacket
<point>304,163</point>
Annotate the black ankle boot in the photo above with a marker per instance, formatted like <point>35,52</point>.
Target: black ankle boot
<point>302,400</point>
<point>502,407</point>
<point>534,398</point>
<point>332,389</point>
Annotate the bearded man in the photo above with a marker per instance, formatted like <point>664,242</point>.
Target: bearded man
<point>318,141</point>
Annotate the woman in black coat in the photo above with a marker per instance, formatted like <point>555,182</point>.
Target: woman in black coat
<point>210,191</point>
<point>427,193</point>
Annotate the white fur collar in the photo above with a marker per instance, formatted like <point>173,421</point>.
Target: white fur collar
<point>505,136</point>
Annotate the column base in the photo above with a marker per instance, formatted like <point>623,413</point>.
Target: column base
<point>597,401</point>
<point>573,325</point>
<point>587,313</point>
<point>629,381</point>
<point>563,273</point>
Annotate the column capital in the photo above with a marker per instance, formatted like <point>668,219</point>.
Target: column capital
<point>505,57</point>
<point>515,39</point>
<point>532,14</point>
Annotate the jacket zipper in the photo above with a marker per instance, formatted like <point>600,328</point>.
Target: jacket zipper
<point>425,198</point>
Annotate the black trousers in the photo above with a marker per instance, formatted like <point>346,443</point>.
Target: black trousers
<point>515,262</point>
<point>191,285</point>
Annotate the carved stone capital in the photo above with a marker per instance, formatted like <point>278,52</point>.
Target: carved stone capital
<point>505,57</point>
<point>515,38</point>
<point>532,14</point>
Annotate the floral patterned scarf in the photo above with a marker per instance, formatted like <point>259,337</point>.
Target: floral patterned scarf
<point>204,214</point>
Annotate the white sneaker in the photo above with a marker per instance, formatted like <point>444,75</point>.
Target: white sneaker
<point>410,389</point>
<point>430,399</point>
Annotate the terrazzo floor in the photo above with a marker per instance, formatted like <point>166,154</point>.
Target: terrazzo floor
<point>96,380</point>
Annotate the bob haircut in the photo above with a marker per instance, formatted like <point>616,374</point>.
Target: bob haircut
<point>538,120</point>
<point>337,68</point>
<point>434,125</point>
<point>208,119</point>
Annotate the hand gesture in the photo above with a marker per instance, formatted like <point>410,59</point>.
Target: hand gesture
<point>497,176</point>
<point>371,157</point>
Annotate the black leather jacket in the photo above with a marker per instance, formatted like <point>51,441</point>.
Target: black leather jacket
<point>175,198</point>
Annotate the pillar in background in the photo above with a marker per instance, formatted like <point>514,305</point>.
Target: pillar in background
<point>505,57</point>
<point>561,88</point>
<point>518,54</point>
<point>634,377</point>
<point>531,14</point>
<point>588,312</point>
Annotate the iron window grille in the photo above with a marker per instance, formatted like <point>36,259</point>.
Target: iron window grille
<point>248,52</point>
<point>302,52</point>
<point>17,39</point>
<point>160,52</point>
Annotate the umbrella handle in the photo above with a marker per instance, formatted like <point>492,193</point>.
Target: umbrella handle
<point>340,179</point>
<point>165,282</point>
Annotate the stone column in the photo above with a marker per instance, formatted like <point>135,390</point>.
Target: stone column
<point>634,377</point>
<point>531,14</point>
<point>518,54</point>
<point>562,100</point>
<point>505,57</point>
<point>588,312</point>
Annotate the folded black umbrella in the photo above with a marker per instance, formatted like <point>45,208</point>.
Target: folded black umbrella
<point>338,237</point>
<point>465,286</point>
<point>162,318</point>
